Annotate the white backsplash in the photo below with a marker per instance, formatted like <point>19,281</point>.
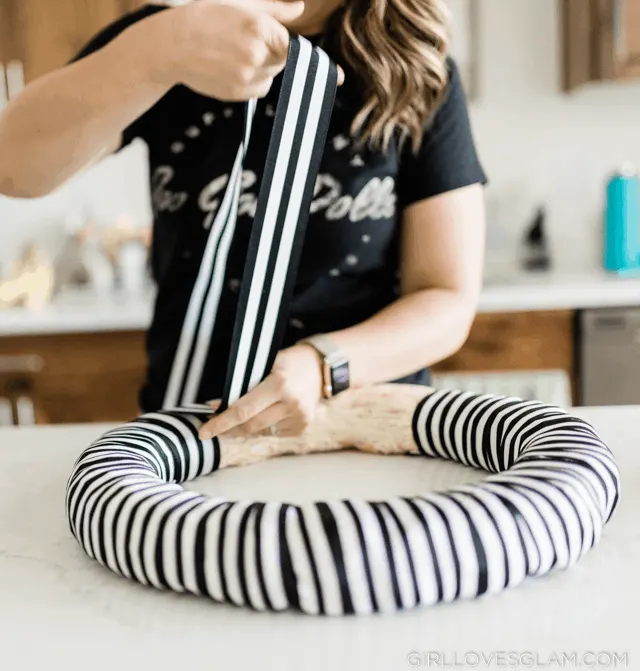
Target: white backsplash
<point>118,185</point>
<point>540,145</point>
<point>537,144</point>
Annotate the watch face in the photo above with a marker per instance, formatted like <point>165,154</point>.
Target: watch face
<point>340,378</point>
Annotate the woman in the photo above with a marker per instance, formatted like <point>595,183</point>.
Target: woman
<point>392,262</point>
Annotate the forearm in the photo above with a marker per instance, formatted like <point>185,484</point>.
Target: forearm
<point>63,121</point>
<point>415,331</point>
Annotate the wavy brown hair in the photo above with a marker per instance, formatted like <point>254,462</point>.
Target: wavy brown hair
<point>398,51</point>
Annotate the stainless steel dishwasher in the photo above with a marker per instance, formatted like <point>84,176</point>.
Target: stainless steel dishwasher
<point>609,356</point>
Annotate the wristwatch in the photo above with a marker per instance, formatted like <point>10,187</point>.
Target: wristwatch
<point>335,365</point>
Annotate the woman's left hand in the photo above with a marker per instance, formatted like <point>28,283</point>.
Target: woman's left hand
<point>285,403</point>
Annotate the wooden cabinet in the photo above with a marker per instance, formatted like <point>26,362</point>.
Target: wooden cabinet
<point>6,34</point>
<point>621,51</point>
<point>518,341</point>
<point>88,377</point>
<point>96,377</point>
<point>601,41</point>
<point>46,34</point>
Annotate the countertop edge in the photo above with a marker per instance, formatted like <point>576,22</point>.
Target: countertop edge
<point>85,312</point>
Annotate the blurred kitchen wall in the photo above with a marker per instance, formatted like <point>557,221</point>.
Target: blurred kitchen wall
<point>117,185</point>
<point>538,145</point>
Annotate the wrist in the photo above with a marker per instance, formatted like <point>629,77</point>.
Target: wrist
<point>303,364</point>
<point>363,370</point>
<point>314,358</point>
<point>149,65</point>
<point>333,362</point>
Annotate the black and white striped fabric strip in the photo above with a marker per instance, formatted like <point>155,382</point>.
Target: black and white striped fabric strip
<point>553,485</point>
<point>297,142</point>
<point>299,133</point>
<point>200,317</point>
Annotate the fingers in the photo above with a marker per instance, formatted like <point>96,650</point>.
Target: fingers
<point>259,90</point>
<point>262,80</point>
<point>291,427</point>
<point>283,12</point>
<point>267,73</point>
<point>261,423</point>
<point>269,44</point>
<point>242,411</point>
<point>272,27</point>
<point>261,85</point>
<point>277,41</point>
<point>279,51</point>
<point>271,70</point>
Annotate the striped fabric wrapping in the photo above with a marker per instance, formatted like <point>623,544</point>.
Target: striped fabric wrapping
<point>553,484</point>
<point>299,133</point>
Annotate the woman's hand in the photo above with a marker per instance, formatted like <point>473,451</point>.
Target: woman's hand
<point>286,400</point>
<point>226,49</point>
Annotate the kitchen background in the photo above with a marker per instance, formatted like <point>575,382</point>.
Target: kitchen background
<point>567,335</point>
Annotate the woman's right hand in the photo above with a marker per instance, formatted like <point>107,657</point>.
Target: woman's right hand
<point>226,49</point>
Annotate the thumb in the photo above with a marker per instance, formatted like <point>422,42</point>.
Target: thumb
<point>277,35</point>
<point>284,12</point>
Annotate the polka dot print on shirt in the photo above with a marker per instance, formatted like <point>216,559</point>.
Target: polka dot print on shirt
<point>340,142</point>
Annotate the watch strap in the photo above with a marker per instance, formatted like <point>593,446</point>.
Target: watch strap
<point>323,344</point>
<point>335,364</point>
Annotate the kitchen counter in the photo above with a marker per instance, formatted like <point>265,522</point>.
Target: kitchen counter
<point>58,607</point>
<point>81,311</point>
<point>527,292</point>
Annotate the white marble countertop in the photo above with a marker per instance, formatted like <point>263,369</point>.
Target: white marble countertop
<point>81,311</point>
<point>58,609</point>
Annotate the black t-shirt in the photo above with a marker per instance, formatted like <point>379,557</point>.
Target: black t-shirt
<point>349,267</point>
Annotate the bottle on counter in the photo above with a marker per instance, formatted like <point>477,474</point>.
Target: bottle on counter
<point>132,267</point>
<point>102,277</point>
<point>621,244</point>
<point>536,256</point>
